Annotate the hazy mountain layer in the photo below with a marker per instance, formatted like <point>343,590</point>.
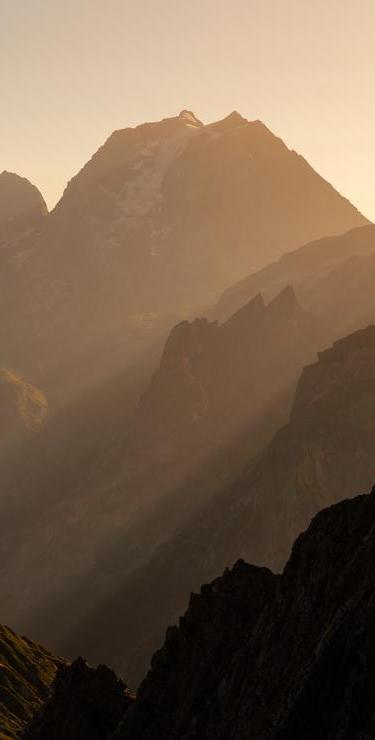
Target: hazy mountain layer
<point>322,455</point>
<point>333,278</point>
<point>160,220</point>
<point>100,489</point>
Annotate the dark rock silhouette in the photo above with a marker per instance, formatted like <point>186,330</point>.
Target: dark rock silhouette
<point>274,657</point>
<point>86,704</point>
<point>266,656</point>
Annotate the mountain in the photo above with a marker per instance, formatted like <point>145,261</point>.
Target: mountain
<point>265,656</point>
<point>104,485</point>
<point>333,278</point>
<point>213,380</point>
<point>323,454</point>
<point>160,220</point>
<point>274,657</point>
<point>86,704</point>
<point>22,207</point>
<point>26,673</point>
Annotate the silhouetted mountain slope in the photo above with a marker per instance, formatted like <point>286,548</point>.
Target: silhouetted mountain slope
<point>98,494</point>
<point>21,207</point>
<point>266,656</point>
<point>86,704</point>
<point>324,453</point>
<point>333,278</point>
<point>160,220</point>
<point>257,655</point>
<point>26,672</point>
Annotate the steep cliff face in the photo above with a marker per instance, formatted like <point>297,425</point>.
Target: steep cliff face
<point>271,657</point>
<point>85,704</point>
<point>213,380</point>
<point>154,226</point>
<point>266,656</point>
<point>323,454</point>
<point>110,493</point>
<point>26,673</point>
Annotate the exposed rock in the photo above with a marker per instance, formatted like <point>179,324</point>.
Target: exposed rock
<point>261,656</point>
<point>323,454</point>
<point>26,673</point>
<point>213,380</point>
<point>85,704</point>
<point>159,221</point>
<point>108,492</point>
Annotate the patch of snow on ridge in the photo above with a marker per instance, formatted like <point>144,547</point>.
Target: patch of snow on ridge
<point>188,115</point>
<point>142,191</point>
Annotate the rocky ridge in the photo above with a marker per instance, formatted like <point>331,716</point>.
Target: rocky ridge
<point>271,657</point>
<point>26,673</point>
<point>323,454</point>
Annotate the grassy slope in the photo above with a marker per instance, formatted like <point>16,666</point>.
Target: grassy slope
<point>26,672</point>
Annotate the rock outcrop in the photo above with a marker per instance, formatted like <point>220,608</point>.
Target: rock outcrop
<point>85,704</point>
<point>214,380</point>
<point>26,673</point>
<point>274,657</point>
<point>323,454</point>
<point>257,655</point>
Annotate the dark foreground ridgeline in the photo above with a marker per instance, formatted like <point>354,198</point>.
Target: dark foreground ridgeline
<point>255,656</point>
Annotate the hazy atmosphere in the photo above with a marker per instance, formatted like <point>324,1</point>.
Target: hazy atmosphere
<point>187,370</point>
<point>72,72</point>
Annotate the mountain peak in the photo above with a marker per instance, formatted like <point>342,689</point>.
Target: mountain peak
<point>285,300</point>
<point>20,201</point>
<point>235,117</point>
<point>233,121</point>
<point>247,315</point>
<point>190,118</point>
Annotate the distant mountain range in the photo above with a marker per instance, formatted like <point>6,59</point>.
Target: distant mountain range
<point>161,220</point>
<point>172,314</point>
<point>333,278</point>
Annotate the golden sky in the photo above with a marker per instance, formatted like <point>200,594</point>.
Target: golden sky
<point>72,71</point>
